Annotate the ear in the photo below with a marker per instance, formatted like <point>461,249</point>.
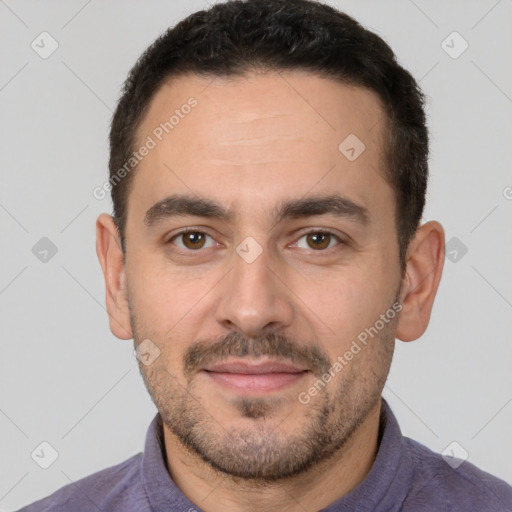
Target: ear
<point>110,254</point>
<point>425,260</point>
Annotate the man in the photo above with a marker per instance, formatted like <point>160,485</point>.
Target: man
<point>268,172</point>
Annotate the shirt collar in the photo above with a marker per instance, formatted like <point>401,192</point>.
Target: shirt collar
<point>162,492</point>
<point>384,488</point>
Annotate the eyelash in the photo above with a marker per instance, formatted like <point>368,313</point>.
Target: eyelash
<point>340,240</point>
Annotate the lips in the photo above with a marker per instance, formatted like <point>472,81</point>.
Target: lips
<point>255,376</point>
<point>254,367</point>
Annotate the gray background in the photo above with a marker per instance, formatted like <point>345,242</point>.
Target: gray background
<point>65,379</point>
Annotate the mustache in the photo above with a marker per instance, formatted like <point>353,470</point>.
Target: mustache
<point>275,345</point>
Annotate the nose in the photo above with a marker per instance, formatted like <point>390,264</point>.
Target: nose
<point>252,299</point>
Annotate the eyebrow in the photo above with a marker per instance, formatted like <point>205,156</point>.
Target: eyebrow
<point>184,205</point>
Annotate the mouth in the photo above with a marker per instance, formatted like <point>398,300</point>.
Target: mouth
<point>255,376</point>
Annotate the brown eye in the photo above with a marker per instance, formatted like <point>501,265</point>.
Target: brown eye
<point>318,241</point>
<point>193,240</point>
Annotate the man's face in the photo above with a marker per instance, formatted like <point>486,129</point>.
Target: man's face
<point>290,253</point>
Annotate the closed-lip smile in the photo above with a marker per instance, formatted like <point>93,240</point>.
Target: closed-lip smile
<point>254,376</point>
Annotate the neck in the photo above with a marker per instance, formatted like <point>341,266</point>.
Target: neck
<point>312,490</point>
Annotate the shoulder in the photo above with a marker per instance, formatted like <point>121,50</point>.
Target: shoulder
<point>112,487</point>
<point>453,487</point>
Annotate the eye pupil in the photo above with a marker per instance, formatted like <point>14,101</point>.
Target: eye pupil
<point>318,240</point>
<point>194,240</point>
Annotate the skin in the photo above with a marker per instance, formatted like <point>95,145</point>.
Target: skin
<point>251,144</point>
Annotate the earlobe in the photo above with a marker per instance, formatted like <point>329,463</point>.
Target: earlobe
<point>425,259</point>
<point>110,255</point>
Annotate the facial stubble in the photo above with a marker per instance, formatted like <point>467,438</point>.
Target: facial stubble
<point>258,448</point>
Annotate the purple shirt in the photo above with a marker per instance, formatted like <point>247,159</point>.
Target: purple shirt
<point>406,476</point>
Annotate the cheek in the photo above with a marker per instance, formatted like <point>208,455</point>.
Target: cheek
<point>170,307</point>
<point>153,302</point>
<point>344,308</point>
<point>159,295</point>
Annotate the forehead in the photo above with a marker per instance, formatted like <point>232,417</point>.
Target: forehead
<point>261,134</point>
